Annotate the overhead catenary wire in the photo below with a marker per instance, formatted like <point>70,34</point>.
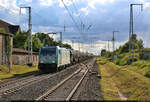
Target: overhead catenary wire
<point>72,17</point>
<point>84,27</point>
<point>79,14</point>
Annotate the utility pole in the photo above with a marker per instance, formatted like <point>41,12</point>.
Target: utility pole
<point>72,44</point>
<point>82,47</point>
<point>61,37</point>
<point>108,45</point>
<point>131,30</point>
<point>56,33</point>
<point>105,46</point>
<point>30,62</point>
<point>79,46</point>
<point>113,42</point>
<point>64,26</point>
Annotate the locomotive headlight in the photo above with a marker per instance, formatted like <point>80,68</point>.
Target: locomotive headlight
<point>53,61</point>
<point>41,61</point>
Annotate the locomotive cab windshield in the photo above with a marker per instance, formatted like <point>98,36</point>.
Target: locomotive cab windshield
<point>47,51</point>
<point>48,55</point>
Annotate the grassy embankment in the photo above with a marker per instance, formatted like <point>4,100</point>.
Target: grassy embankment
<point>16,71</point>
<point>140,66</point>
<point>128,79</point>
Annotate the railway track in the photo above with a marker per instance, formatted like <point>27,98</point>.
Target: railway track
<point>4,84</point>
<point>15,85</point>
<point>18,85</point>
<point>56,92</point>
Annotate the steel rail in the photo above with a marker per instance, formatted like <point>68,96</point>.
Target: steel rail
<point>15,88</point>
<point>45,95</point>
<point>57,86</point>
<point>14,81</point>
<point>76,87</point>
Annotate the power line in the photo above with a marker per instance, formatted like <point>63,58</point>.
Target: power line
<point>81,21</point>
<point>77,11</point>
<point>72,17</point>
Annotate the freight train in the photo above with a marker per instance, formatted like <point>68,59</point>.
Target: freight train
<point>53,58</point>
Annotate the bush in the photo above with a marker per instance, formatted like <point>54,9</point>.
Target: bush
<point>130,60</point>
<point>102,61</point>
<point>117,62</point>
<point>110,59</point>
<point>142,56</point>
<point>147,73</point>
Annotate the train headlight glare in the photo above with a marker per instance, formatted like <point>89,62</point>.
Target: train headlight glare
<point>53,61</point>
<point>41,61</point>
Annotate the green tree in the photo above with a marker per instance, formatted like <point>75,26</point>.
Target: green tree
<point>103,52</point>
<point>8,48</point>
<point>39,40</point>
<point>45,39</point>
<point>8,51</point>
<point>36,44</point>
<point>67,46</point>
<point>20,40</point>
<point>140,44</point>
<point>137,44</point>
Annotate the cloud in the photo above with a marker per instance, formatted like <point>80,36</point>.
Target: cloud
<point>92,3</point>
<point>66,2</point>
<point>85,10</point>
<point>104,15</point>
<point>91,48</point>
<point>10,5</point>
<point>46,2</point>
<point>146,3</point>
<point>76,14</point>
<point>24,2</point>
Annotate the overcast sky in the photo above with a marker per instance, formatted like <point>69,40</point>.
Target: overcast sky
<point>103,16</point>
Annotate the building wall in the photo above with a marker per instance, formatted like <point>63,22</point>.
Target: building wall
<point>146,54</point>
<point>35,59</point>
<point>4,25</point>
<point>17,57</point>
<point>22,59</point>
<point>2,50</point>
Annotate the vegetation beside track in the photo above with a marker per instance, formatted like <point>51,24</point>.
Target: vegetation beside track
<point>128,79</point>
<point>109,91</point>
<point>140,66</point>
<point>16,71</point>
<point>141,61</point>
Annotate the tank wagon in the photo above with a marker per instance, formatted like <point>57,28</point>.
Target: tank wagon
<point>52,58</point>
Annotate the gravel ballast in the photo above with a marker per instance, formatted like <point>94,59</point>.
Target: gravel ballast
<point>33,91</point>
<point>88,90</point>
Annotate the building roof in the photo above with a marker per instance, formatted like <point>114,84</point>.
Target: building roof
<point>19,50</point>
<point>6,34</point>
<point>9,28</point>
<point>146,50</point>
<point>13,29</point>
